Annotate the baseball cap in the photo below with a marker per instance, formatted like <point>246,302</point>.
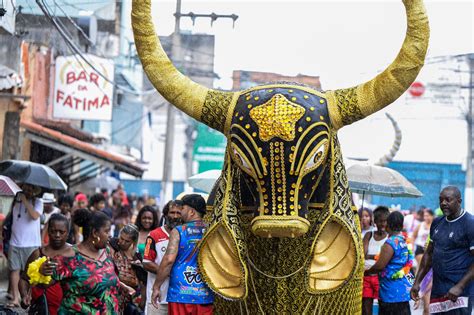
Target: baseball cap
<point>80,197</point>
<point>195,201</point>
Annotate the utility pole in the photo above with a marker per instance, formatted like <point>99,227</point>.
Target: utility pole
<point>469,190</point>
<point>188,155</point>
<point>167,181</point>
<point>176,57</point>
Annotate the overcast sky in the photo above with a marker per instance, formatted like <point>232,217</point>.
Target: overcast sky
<point>344,42</point>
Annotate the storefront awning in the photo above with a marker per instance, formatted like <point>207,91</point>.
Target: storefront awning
<point>79,150</point>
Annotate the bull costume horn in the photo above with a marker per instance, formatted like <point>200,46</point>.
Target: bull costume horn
<point>387,158</point>
<point>352,104</point>
<point>203,104</point>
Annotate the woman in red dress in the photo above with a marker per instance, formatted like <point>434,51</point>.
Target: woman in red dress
<point>58,231</point>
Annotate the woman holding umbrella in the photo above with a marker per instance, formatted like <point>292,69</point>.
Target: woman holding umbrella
<point>26,214</point>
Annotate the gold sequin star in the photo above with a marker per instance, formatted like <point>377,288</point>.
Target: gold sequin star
<point>277,118</point>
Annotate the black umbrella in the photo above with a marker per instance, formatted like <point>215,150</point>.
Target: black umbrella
<point>25,172</point>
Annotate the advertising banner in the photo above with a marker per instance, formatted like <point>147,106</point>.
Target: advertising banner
<point>209,149</point>
<point>80,92</point>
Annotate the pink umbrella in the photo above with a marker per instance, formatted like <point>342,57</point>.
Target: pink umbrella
<point>8,187</point>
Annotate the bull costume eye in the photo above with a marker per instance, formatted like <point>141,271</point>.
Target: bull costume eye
<point>284,137</point>
<point>316,157</point>
<point>242,161</point>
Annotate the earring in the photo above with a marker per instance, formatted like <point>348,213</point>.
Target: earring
<point>94,241</point>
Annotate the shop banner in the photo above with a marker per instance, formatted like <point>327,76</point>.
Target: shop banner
<point>81,91</point>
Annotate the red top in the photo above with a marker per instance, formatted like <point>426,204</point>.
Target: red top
<point>54,295</point>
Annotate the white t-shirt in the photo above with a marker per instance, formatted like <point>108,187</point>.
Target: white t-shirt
<point>26,231</point>
<point>46,216</point>
<point>155,249</point>
<point>410,223</point>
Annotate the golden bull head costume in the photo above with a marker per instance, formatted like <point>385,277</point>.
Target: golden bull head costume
<point>284,236</point>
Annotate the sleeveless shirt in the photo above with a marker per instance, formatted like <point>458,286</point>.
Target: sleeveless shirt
<point>186,284</point>
<point>374,249</point>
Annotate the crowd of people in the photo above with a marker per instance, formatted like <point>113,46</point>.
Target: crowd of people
<point>105,254</point>
<point>421,256</point>
<point>110,254</point>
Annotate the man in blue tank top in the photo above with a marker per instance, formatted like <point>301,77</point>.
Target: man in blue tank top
<point>187,292</point>
<point>451,255</point>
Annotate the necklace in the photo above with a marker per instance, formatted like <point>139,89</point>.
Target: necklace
<point>90,257</point>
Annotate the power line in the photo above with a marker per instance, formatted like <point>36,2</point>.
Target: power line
<point>74,23</point>
<point>73,54</point>
<point>75,5</point>
<point>187,47</point>
<point>76,50</point>
<point>128,124</point>
<point>73,46</point>
<point>61,28</point>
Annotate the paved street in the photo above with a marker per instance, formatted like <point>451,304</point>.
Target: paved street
<point>3,297</point>
<point>3,300</point>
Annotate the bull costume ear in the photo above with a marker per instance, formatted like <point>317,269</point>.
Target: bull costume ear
<point>335,258</point>
<point>222,252</point>
<point>352,104</point>
<point>205,105</point>
<point>336,252</point>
